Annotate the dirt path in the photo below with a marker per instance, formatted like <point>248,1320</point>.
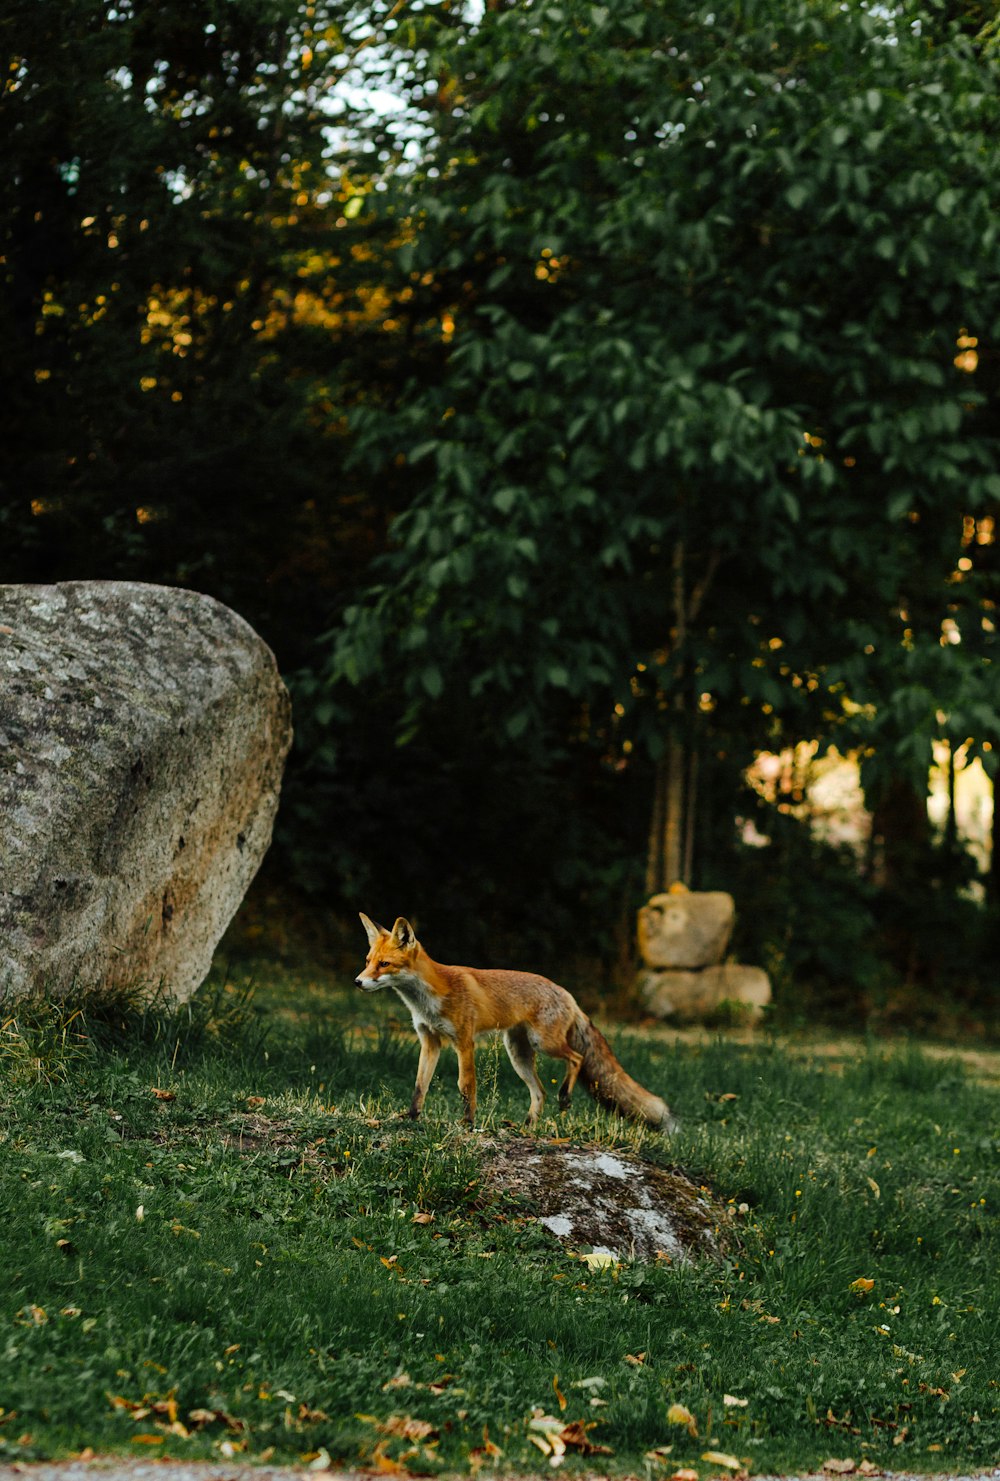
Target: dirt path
<point>106,1468</point>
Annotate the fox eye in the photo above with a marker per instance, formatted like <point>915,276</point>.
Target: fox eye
<point>380,964</point>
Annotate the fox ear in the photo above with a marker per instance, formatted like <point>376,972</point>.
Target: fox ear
<point>403,933</point>
<point>372,931</point>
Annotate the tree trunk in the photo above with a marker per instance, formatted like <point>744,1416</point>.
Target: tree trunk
<point>673,822</point>
<point>951,820</point>
<point>670,852</point>
<point>993,878</point>
<point>654,855</point>
<point>900,831</point>
<point>690,813</point>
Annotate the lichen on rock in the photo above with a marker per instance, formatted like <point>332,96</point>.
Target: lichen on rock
<point>608,1202</point>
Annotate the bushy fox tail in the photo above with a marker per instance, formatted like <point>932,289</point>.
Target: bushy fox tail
<point>610,1085</point>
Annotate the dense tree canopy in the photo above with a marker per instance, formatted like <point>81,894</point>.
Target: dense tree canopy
<point>586,396</point>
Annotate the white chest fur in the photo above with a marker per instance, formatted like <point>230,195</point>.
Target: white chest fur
<point>424,1007</point>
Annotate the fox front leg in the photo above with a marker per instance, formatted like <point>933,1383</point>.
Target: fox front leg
<point>467,1080</point>
<point>430,1050</point>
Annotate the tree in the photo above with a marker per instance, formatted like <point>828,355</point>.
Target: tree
<point>173,298</point>
<point>678,300</point>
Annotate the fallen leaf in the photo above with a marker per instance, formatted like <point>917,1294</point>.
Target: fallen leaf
<point>147,1439</point>
<point>861,1284</point>
<point>216,1416</point>
<point>311,1416</point>
<point>484,1453</point>
<point>636,1359</point>
<point>660,1454</point>
<point>874,1187</point>
<point>730,1401</point>
<point>684,1475</point>
<point>253,1101</point>
<point>422,1219</point>
<point>835,1467</point>
<point>541,1444</point>
<point>384,1462</point>
<point>558,1391</point>
<point>867,1468</point>
<point>720,1458</point>
<point>680,1414</point>
<point>406,1428</point>
<point>400,1380</point>
<point>162,1094</point>
<point>729,1095</point>
<point>576,1435</point>
<point>441,1383</point>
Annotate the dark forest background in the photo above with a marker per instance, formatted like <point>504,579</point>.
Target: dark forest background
<point>581,400</point>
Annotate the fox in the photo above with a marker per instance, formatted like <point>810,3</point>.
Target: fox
<point>458,1004</point>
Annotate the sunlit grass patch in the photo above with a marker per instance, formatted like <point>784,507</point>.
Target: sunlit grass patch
<point>221,1236</point>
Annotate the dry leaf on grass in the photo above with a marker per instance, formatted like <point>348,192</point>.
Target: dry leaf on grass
<point>720,1458</point>
<point>680,1414</point>
<point>401,1426</point>
<point>835,1467</point>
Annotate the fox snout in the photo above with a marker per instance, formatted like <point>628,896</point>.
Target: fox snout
<point>367,984</point>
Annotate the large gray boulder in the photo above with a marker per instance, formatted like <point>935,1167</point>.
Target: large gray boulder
<point>143,732</point>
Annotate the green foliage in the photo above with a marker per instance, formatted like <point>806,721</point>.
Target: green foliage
<point>608,313</point>
<point>681,283</point>
<point>168,219</point>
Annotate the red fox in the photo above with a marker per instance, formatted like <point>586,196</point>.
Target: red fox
<point>532,1013</point>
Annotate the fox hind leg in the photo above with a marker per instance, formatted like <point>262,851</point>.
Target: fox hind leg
<point>573,1063</point>
<point>521,1054</point>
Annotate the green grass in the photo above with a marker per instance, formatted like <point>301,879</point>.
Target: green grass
<point>260,1263</point>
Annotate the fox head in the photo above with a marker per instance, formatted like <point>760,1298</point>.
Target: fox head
<point>389,953</point>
